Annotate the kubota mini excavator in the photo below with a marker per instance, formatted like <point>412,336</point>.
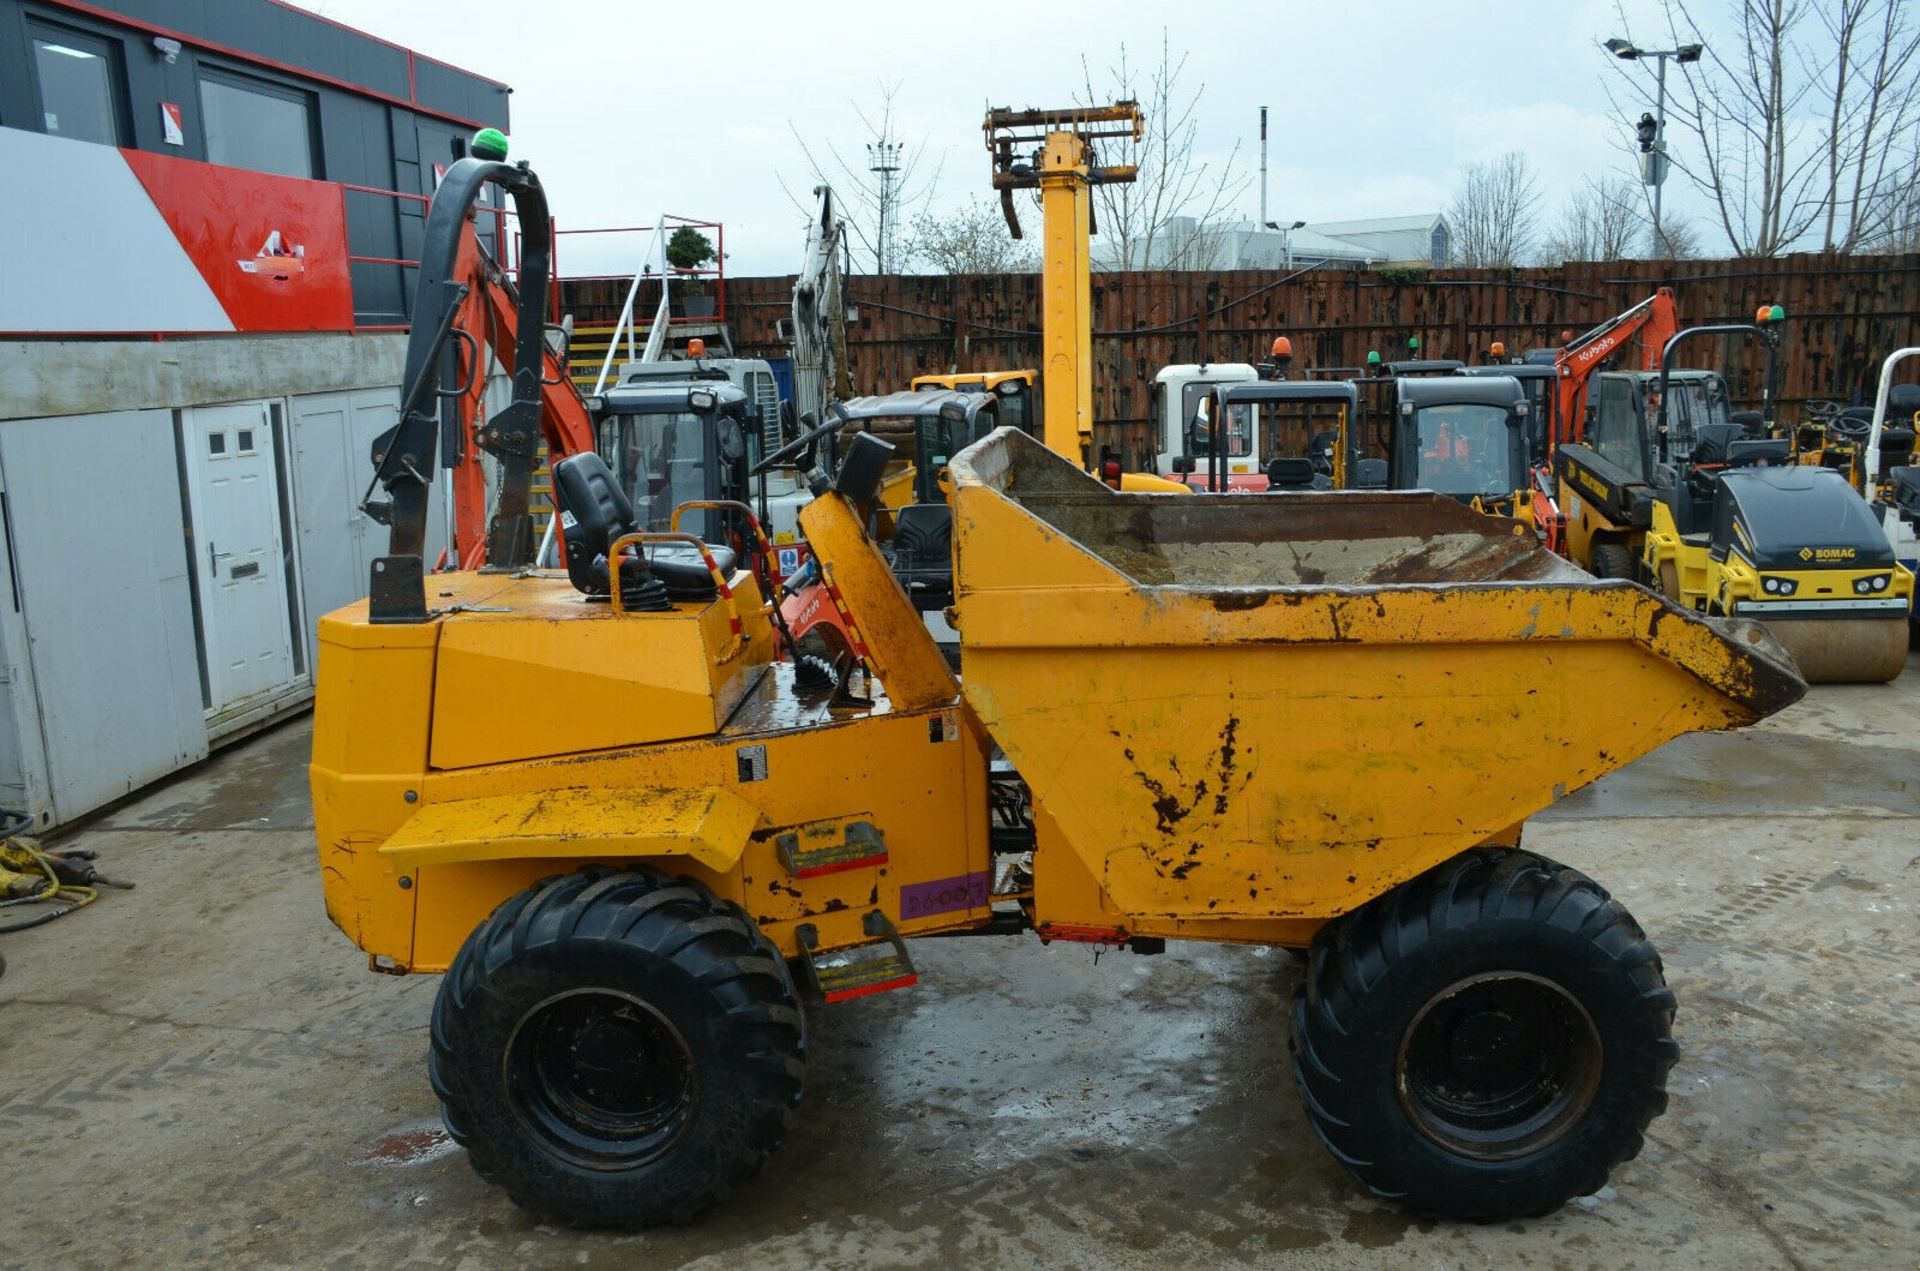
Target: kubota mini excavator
<point>1568,462</point>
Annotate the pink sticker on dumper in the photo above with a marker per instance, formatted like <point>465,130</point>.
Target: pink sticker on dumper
<point>944,895</point>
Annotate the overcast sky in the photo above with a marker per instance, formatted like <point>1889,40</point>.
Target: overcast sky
<point>629,110</point>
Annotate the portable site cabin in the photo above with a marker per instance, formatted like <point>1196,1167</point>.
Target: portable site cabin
<point>201,331</point>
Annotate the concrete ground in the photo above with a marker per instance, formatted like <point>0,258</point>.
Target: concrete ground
<point>203,1070</point>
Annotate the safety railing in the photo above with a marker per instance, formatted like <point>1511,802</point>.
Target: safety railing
<point>499,215</point>
<point>654,267</point>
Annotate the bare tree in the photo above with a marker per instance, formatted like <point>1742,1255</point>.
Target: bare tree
<point>1795,118</point>
<point>1899,229</point>
<point>971,239</point>
<point>884,186</point>
<point>1677,240</point>
<point>1494,213</point>
<point>1601,221</point>
<point>1174,180</point>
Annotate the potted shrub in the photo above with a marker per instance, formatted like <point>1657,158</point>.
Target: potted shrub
<point>687,250</point>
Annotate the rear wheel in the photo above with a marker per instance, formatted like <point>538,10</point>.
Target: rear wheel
<point>617,1049</point>
<point>1486,1041</point>
<point>1612,560</point>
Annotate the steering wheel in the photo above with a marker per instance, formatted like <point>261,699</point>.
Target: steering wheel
<point>1848,428</point>
<point>804,443</point>
<point>1820,410</point>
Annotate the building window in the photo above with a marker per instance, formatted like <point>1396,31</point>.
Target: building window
<point>77,77</point>
<point>253,124</point>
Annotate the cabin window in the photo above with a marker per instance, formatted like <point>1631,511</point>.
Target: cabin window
<point>256,125</point>
<point>76,76</point>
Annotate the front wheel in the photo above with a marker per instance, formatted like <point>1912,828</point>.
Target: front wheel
<point>1486,1041</point>
<point>617,1049</point>
<point>1612,560</point>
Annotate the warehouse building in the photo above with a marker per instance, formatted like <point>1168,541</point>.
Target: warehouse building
<point>201,332</point>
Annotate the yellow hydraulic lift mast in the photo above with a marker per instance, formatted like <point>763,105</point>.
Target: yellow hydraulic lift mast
<point>1053,151</point>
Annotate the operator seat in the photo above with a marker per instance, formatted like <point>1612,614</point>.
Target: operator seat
<point>1897,433</point>
<point>923,553</point>
<point>594,511</point>
<point>1692,495</point>
<point>1296,474</point>
<point>1905,494</point>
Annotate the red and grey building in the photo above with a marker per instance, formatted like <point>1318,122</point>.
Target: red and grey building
<point>202,307</point>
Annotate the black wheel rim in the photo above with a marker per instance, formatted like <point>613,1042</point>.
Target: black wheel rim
<point>1498,1065</point>
<point>600,1078</point>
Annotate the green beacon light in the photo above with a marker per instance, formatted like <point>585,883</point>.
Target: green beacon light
<point>1373,357</point>
<point>1413,344</point>
<point>489,144</point>
<point>1776,314</point>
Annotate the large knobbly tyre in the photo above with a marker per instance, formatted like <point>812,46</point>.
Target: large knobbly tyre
<point>1485,1041</point>
<point>1613,560</point>
<point>617,1049</point>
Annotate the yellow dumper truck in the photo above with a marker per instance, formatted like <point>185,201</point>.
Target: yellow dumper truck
<point>641,850</point>
<point>1317,721</point>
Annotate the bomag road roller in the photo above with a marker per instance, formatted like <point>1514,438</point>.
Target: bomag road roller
<point>1669,488</point>
<point>641,854</point>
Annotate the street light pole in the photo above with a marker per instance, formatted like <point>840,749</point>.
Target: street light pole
<point>1660,149</point>
<point>1653,140</point>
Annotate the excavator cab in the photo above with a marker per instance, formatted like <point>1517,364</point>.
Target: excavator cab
<point>1466,437</point>
<point>1537,380</point>
<point>1614,475</point>
<point>912,518</point>
<point>669,442</point>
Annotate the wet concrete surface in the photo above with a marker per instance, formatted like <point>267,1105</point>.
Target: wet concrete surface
<point>203,1069</point>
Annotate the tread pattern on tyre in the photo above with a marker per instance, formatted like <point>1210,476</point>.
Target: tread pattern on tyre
<point>1612,560</point>
<point>712,942</point>
<point>1482,891</point>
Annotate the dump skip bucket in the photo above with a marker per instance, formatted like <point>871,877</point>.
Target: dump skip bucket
<point>1249,707</point>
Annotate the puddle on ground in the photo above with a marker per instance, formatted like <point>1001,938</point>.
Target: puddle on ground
<point>415,1145</point>
<point>1755,772</point>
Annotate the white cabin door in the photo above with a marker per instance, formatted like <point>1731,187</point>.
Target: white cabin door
<point>237,538</point>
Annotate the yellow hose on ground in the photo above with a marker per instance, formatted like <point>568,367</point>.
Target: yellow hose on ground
<point>20,861</point>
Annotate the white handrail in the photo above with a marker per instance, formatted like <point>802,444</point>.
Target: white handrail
<point>1880,417</point>
<point>626,325</point>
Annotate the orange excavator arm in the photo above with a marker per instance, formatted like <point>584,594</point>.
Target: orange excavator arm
<point>1653,321</point>
<point>489,315</point>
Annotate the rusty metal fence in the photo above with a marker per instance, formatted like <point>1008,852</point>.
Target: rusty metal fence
<point>1846,313</point>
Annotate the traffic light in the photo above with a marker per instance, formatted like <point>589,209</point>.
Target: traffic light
<point>1647,129</point>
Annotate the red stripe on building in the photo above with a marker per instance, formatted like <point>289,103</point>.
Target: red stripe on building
<point>273,249</point>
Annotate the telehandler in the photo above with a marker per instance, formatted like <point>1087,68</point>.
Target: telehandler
<point>1018,392</point>
<point>1278,721</point>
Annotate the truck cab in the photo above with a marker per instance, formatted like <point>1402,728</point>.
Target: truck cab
<point>1177,397</point>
